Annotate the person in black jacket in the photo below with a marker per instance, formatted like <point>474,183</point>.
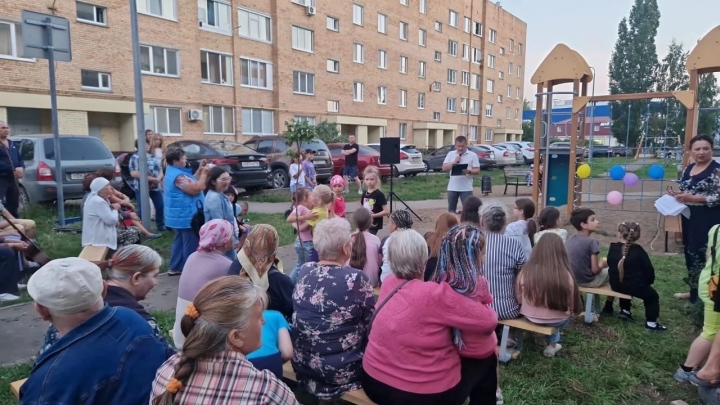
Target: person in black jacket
<point>257,260</point>
<point>631,272</point>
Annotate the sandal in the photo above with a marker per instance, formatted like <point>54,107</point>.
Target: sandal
<point>714,383</point>
<point>682,296</point>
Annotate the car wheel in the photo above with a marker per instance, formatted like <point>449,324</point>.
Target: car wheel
<point>411,175</point>
<point>526,161</point>
<point>280,178</point>
<point>437,170</point>
<point>427,167</point>
<point>24,199</point>
<point>395,172</point>
<point>617,155</point>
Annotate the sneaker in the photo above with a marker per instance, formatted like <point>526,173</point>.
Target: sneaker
<point>499,397</point>
<point>174,273</point>
<point>346,191</point>
<point>657,328</point>
<point>360,191</point>
<point>682,376</point>
<point>153,237</point>
<point>626,316</point>
<point>22,286</point>
<point>550,351</point>
<point>8,297</point>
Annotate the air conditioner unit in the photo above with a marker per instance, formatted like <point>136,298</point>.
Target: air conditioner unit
<point>310,10</point>
<point>195,115</point>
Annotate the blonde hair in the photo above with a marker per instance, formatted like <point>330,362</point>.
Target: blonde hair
<point>324,194</point>
<point>630,231</point>
<point>129,260</point>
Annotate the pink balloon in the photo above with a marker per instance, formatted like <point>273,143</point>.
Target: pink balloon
<point>631,180</point>
<point>614,198</point>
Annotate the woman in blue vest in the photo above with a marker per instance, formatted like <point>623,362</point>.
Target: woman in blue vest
<point>183,191</point>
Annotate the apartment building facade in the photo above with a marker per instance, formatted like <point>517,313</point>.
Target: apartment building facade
<point>423,70</point>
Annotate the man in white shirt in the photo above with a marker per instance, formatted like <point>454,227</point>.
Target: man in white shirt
<point>460,186</point>
<point>297,177</point>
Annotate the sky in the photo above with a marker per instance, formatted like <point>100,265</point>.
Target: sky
<point>590,27</point>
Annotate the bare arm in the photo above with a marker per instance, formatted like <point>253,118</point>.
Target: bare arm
<point>597,264</point>
<point>191,187</point>
<point>285,345</point>
<point>348,152</point>
<point>382,213</point>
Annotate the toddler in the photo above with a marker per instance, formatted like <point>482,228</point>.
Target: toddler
<point>337,184</point>
<point>299,216</point>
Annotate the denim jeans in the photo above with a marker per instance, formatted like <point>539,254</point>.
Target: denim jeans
<point>156,196</point>
<point>184,244</point>
<point>454,196</point>
<point>304,253</point>
<point>555,337</point>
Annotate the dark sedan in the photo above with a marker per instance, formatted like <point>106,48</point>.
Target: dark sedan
<point>434,160</point>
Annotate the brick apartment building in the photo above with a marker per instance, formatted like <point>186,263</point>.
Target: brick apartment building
<point>423,70</point>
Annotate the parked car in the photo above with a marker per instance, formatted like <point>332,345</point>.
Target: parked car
<point>367,156</point>
<point>249,170</point>
<point>513,151</point>
<point>502,157</point>
<point>275,149</point>
<point>527,149</point>
<point>566,145</point>
<point>599,150</point>
<point>619,151</point>
<point>79,154</point>
<point>411,162</point>
<point>434,160</point>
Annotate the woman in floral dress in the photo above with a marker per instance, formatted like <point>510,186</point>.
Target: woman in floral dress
<point>333,306</point>
<point>700,191</point>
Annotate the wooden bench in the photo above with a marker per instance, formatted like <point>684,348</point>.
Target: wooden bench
<point>606,291</point>
<point>514,178</point>
<point>522,324</point>
<point>354,397</point>
<point>15,387</point>
<point>94,254</point>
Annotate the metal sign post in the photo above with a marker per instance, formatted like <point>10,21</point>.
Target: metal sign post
<point>46,36</point>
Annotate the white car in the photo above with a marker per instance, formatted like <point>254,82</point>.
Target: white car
<point>527,149</point>
<point>411,161</point>
<point>502,157</point>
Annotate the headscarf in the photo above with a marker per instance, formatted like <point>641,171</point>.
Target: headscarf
<point>401,219</point>
<point>97,185</point>
<point>213,234</point>
<point>259,248</point>
<point>337,180</point>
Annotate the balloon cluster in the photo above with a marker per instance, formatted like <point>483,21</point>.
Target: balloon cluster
<point>617,172</point>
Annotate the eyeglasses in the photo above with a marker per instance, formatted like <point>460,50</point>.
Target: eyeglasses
<point>224,179</point>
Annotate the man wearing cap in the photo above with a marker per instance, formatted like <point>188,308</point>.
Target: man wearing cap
<point>309,169</point>
<point>105,355</point>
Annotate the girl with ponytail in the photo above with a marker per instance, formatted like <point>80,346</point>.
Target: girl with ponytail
<point>365,254</point>
<point>631,272</point>
<point>221,326</point>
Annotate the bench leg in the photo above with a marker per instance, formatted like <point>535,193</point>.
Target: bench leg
<point>505,356</point>
<point>506,186</point>
<point>666,242</point>
<point>516,189</point>
<point>598,306</point>
<point>589,308</point>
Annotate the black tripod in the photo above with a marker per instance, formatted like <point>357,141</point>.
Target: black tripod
<point>392,196</point>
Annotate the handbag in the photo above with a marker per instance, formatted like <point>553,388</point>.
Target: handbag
<point>714,278</point>
<point>198,219</point>
<point>382,304</point>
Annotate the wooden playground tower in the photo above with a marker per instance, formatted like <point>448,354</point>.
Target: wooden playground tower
<point>564,65</point>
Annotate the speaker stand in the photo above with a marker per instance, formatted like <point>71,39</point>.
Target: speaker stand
<point>394,196</point>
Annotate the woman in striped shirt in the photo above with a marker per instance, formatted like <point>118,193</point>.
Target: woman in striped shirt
<point>503,259</point>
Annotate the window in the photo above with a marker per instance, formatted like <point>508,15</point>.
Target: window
<point>423,6</point>
<point>490,85</point>
<point>333,66</point>
<point>404,2</point>
<point>517,110</point>
<point>501,75</point>
<point>463,105</point>
<point>451,104</point>
<point>403,31</point>
<point>477,28</point>
<point>475,81</point>
<point>498,123</point>
<point>512,45</point>
<point>11,40</point>
<point>403,98</point>
<point>467,25</point>
<point>452,47</point>
<point>438,56</point>
<point>333,24</point>
<point>382,95</point>
<point>519,71</point>
<point>358,14</point>
<point>436,86</point>
<point>465,78</point>
<point>382,59</point>
<point>473,133</point>
<point>157,8</point>
<point>466,52</point>
<point>403,64</point>
<point>421,69</point>
<point>358,91</point>
<point>502,51</point>
<point>507,112</point>
<point>488,110</point>
<point>219,120</point>
<point>491,61</point>
<point>517,93</point>
<point>256,73</point>
<point>304,2</point>
<point>453,20</point>
<point>520,49</point>
<point>302,39</point>
<point>305,118</point>
<point>256,121</point>
<point>493,36</point>
<point>333,106</point>
<point>214,15</point>
<point>254,25</point>
<point>358,53</point>
<point>422,37</point>
<point>509,91</point>
<point>402,131</point>
<point>382,23</point>
<point>438,26</point>
<point>421,101</point>
<point>167,120</point>
<point>303,83</point>
<point>89,13</point>
<point>477,55</point>
<point>474,107</point>
<point>436,116</point>
<point>159,61</point>
<point>216,68</point>
<point>94,80</point>
<point>489,134</point>
<point>510,68</point>
<point>452,76</point>
<point>500,98</point>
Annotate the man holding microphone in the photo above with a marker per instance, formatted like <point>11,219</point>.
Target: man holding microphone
<point>462,165</point>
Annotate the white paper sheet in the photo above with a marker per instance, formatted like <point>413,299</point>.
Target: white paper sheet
<point>668,205</point>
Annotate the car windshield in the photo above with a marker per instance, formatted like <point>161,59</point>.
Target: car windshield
<point>315,144</point>
<point>410,149</point>
<point>232,148</point>
<point>85,148</point>
<point>530,145</point>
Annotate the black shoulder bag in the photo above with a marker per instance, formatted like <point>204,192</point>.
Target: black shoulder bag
<point>198,219</point>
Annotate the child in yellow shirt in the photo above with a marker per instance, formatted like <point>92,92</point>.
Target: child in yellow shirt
<point>322,197</point>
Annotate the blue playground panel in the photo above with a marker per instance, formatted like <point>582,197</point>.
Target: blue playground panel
<point>557,179</point>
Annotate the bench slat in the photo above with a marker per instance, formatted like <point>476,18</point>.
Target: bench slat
<point>94,254</point>
<point>604,290</point>
<point>354,397</point>
<point>15,387</point>
<point>524,324</point>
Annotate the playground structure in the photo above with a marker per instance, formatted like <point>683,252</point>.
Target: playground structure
<point>564,65</point>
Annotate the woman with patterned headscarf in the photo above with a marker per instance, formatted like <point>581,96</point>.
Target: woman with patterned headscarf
<point>206,264</point>
<point>257,261</point>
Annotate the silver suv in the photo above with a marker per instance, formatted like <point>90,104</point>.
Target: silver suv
<point>80,155</point>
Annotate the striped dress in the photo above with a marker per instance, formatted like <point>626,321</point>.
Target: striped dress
<point>503,258</point>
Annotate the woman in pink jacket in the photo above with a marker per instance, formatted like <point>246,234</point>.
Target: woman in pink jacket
<point>411,356</point>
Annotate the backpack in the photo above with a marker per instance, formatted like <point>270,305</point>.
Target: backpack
<point>198,219</point>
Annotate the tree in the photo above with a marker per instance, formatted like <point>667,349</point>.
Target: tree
<point>672,76</point>
<point>528,128</point>
<point>708,92</point>
<point>633,68</point>
<point>328,133</point>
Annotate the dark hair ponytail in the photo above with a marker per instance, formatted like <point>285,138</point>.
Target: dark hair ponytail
<point>630,231</point>
<point>532,226</point>
<point>363,220</point>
